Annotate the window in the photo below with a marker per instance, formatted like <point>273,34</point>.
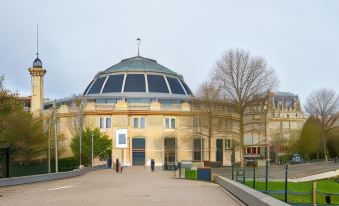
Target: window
<point>253,150</point>
<point>113,83</point>
<point>108,122</point>
<point>121,138</point>
<point>196,121</point>
<point>139,122</point>
<point>170,123</point>
<point>135,83</point>
<point>96,87</point>
<point>167,123</point>
<point>157,83</point>
<point>106,101</point>
<point>100,101</point>
<point>227,144</point>
<point>198,144</point>
<point>142,122</point>
<point>175,85</point>
<point>136,122</point>
<point>102,123</point>
<point>88,87</point>
<point>189,92</point>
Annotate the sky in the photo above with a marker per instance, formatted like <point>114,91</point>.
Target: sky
<point>79,38</point>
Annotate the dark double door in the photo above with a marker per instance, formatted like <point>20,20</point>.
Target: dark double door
<point>4,162</point>
<point>219,156</point>
<point>138,151</point>
<point>169,153</point>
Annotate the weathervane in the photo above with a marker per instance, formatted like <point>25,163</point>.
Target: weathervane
<point>138,43</point>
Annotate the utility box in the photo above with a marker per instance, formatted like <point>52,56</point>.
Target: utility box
<point>204,174</point>
<point>190,174</point>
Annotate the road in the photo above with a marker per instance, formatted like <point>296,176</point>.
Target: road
<point>135,186</point>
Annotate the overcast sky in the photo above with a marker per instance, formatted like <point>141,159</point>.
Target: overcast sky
<point>77,39</point>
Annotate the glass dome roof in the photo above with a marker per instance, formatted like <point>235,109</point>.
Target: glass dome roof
<point>138,77</point>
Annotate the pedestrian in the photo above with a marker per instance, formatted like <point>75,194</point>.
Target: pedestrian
<point>121,167</point>
<point>152,165</point>
<point>117,164</point>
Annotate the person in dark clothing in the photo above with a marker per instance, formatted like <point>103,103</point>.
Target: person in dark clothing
<point>117,165</point>
<point>152,165</point>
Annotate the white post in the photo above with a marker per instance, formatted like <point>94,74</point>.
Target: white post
<point>92,150</point>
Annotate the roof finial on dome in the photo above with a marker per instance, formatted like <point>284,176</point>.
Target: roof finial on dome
<point>138,43</point>
<point>37,40</point>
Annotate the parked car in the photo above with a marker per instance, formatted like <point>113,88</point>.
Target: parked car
<point>297,158</point>
<point>251,161</point>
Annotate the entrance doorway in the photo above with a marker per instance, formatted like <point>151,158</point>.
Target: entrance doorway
<point>219,150</point>
<point>4,162</point>
<point>169,153</point>
<point>138,151</point>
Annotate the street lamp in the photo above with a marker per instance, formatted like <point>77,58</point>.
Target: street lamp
<point>92,149</point>
<point>80,131</point>
<point>56,137</point>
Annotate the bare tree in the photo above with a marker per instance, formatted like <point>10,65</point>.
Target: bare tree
<point>323,104</point>
<point>242,78</point>
<point>208,93</point>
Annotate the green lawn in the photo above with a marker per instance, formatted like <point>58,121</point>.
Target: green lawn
<point>325,186</point>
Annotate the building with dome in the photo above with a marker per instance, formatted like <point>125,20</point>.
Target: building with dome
<point>144,107</point>
<point>149,112</point>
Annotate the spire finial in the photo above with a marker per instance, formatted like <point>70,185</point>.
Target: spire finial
<point>37,40</point>
<point>138,43</point>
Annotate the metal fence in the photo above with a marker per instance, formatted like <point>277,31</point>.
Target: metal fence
<point>277,184</point>
<point>40,166</point>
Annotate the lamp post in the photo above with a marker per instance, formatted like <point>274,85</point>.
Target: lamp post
<point>92,149</point>
<point>80,133</point>
<point>49,147</point>
<point>56,138</point>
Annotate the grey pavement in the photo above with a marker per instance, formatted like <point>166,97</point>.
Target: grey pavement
<point>278,171</point>
<point>135,186</point>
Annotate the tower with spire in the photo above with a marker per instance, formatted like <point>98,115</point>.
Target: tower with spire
<point>37,80</point>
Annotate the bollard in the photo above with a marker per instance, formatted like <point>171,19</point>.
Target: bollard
<point>266,177</point>
<point>253,176</point>
<point>243,177</point>
<point>286,173</point>
<point>232,171</point>
<point>314,193</point>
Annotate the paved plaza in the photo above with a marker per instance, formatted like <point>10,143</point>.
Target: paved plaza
<point>135,186</point>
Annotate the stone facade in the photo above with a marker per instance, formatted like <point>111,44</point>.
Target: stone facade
<point>122,116</point>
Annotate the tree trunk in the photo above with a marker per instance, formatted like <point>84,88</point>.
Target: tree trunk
<point>209,135</point>
<point>241,135</point>
<point>323,137</point>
